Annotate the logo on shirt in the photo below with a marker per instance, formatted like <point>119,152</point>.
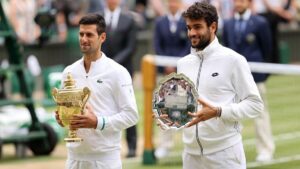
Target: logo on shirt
<point>215,74</point>
<point>99,81</point>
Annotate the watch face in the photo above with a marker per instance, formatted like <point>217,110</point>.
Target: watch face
<point>173,98</point>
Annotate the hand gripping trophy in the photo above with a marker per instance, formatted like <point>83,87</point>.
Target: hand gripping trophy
<point>70,101</point>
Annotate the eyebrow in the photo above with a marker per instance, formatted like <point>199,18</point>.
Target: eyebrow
<point>197,24</point>
<point>85,32</point>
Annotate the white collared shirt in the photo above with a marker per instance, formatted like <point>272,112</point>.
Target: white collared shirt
<point>173,19</point>
<point>245,17</point>
<point>112,17</point>
<point>113,101</point>
<point>233,89</point>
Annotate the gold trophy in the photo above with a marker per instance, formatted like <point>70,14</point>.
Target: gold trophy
<point>70,101</point>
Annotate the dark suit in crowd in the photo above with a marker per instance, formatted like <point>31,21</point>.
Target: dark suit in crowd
<point>254,41</point>
<point>120,45</point>
<point>168,43</point>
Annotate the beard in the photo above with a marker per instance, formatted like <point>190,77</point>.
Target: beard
<point>203,41</point>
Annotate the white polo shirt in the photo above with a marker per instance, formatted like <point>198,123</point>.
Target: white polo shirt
<point>113,101</point>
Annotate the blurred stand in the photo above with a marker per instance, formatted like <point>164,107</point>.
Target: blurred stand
<point>61,46</point>
<point>21,14</point>
<point>276,12</point>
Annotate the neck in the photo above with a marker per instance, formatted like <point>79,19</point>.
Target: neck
<point>242,12</point>
<point>173,13</point>
<point>112,9</point>
<point>89,58</point>
<point>212,38</point>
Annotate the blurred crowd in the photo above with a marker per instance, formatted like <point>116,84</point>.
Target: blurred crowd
<point>39,21</point>
<point>66,13</point>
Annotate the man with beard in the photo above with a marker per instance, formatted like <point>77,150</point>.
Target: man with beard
<point>111,107</point>
<point>227,95</point>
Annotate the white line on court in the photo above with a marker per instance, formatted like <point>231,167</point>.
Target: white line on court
<point>280,137</point>
<point>275,161</point>
<point>249,165</point>
<point>247,142</point>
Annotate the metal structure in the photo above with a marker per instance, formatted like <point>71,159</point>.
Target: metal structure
<point>41,138</point>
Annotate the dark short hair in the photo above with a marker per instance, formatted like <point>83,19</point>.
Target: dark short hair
<point>94,19</point>
<point>202,10</point>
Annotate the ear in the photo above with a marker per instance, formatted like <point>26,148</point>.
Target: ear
<point>102,37</point>
<point>213,27</point>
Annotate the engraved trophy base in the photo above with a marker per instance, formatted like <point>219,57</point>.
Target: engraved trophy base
<point>72,140</point>
<point>72,137</point>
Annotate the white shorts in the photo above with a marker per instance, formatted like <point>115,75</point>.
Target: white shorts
<point>230,158</point>
<point>107,164</point>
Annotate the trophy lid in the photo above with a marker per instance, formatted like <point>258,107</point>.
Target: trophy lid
<point>69,82</point>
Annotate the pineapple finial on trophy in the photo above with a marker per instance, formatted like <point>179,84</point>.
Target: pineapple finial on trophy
<point>69,83</point>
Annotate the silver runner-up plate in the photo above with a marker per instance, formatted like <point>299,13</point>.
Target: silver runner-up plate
<point>173,98</point>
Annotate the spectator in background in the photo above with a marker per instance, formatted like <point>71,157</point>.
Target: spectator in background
<point>21,14</point>
<point>140,7</point>
<point>49,21</point>
<point>275,11</point>
<point>99,5</point>
<point>62,27</point>
<point>158,7</point>
<point>170,34</point>
<point>296,4</point>
<point>250,35</point>
<point>95,6</point>
<point>225,11</point>
<point>170,39</point>
<point>4,64</point>
<point>69,13</point>
<point>224,7</point>
<point>120,45</point>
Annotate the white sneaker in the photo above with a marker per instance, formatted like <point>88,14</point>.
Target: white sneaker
<point>264,157</point>
<point>161,152</point>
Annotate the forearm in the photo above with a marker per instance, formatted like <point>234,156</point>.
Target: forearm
<point>249,108</point>
<point>118,122</point>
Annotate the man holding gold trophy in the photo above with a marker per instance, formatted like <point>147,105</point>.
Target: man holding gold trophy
<point>110,108</point>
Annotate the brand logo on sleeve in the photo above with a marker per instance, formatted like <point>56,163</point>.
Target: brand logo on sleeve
<point>99,81</point>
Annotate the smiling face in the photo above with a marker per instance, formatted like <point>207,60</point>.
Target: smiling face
<point>90,41</point>
<point>199,33</point>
